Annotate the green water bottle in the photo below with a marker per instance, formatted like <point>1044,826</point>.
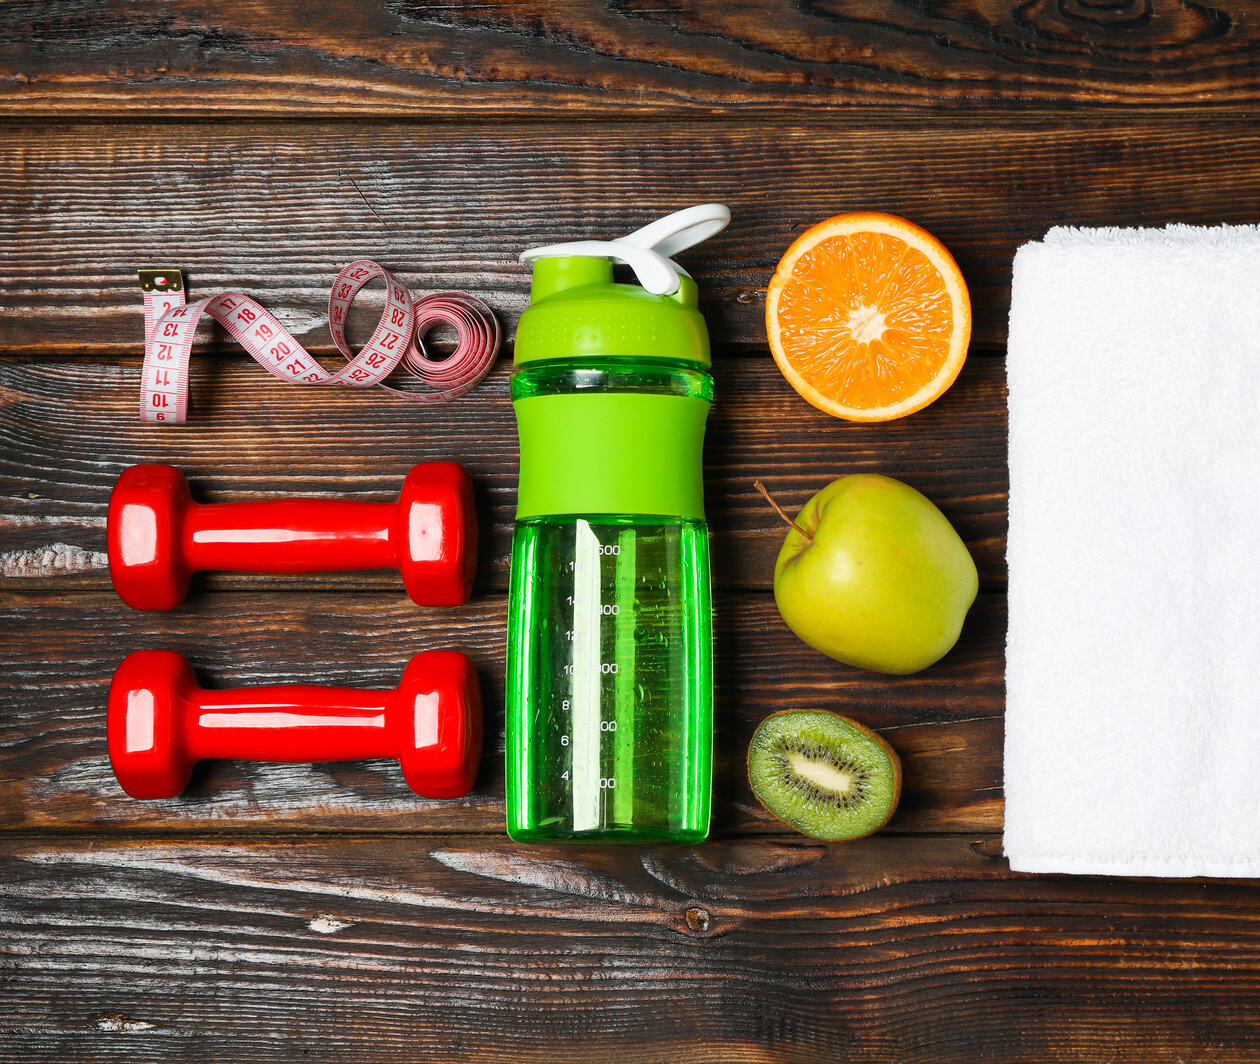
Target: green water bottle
<point>610,661</point>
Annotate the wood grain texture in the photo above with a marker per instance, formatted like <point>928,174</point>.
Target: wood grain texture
<point>270,209</point>
<point>62,650</point>
<point>277,913</point>
<point>915,950</point>
<point>624,59</point>
<point>69,427</point>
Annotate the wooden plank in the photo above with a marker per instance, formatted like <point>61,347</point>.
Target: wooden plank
<point>62,650</point>
<point>68,428</point>
<point>270,208</point>
<point>586,59</point>
<point>921,950</point>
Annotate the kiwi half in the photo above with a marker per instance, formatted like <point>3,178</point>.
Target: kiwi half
<point>823,774</point>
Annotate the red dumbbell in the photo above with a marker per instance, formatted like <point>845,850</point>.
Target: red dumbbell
<point>158,537</point>
<point>161,723</point>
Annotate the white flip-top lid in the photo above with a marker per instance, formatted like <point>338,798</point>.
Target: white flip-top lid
<point>649,251</point>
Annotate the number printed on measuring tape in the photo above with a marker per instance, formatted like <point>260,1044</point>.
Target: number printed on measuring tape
<point>170,323</point>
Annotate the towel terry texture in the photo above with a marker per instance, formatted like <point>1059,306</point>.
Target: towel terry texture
<point>1133,649</point>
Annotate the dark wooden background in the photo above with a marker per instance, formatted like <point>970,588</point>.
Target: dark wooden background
<point>281,913</point>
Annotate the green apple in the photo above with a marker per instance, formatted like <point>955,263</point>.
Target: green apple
<point>874,575</point>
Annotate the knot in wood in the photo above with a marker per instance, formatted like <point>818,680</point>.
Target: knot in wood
<point>697,920</point>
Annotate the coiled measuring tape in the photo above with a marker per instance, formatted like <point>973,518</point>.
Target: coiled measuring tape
<point>170,322</point>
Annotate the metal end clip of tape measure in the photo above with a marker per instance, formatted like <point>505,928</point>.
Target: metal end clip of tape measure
<point>170,322</point>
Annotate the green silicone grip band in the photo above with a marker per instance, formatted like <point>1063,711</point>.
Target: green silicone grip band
<point>611,453</point>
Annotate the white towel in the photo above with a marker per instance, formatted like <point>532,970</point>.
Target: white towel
<point>1133,651</point>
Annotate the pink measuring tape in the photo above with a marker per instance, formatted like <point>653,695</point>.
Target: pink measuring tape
<point>169,325</point>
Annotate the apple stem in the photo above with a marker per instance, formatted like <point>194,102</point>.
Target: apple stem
<point>780,511</point>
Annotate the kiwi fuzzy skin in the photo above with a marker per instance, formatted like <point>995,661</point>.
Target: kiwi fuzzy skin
<point>893,757</point>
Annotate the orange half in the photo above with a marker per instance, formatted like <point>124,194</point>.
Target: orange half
<point>868,317</point>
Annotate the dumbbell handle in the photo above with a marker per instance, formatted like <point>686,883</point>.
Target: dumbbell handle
<point>290,536</point>
<point>287,722</point>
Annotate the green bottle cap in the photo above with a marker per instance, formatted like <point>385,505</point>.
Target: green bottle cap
<point>577,310</point>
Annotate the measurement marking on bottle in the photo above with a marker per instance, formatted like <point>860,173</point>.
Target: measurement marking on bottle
<point>584,670</point>
<point>600,676</point>
<point>606,668</point>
